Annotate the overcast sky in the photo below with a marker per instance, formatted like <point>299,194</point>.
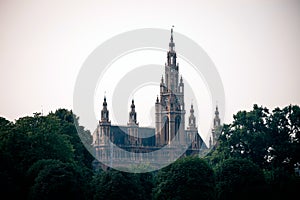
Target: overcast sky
<point>255,46</point>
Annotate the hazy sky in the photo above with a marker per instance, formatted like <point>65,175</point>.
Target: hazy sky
<point>255,46</point>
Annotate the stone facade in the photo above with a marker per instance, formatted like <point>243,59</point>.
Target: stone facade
<point>169,123</point>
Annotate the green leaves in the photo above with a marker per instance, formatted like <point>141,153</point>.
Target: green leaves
<point>252,134</point>
<point>43,157</point>
<point>38,138</point>
<point>118,185</point>
<point>54,179</point>
<point>187,178</point>
<point>238,178</point>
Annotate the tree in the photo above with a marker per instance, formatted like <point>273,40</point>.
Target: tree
<point>12,157</point>
<point>187,178</point>
<point>239,179</point>
<point>45,138</point>
<point>268,139</point>
<point>38,138</point>
<point>117,185</point>
<point>56,180</point>
<point>68,120</point>
<point>284,125</point>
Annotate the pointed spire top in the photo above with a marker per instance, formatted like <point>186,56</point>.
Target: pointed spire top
<point>157,100</point>
<point>132,104</point>
<point>104,102</point>
<point>172,33</point>
<point>171,44</point>
<point>192,118</point>
<point>192,109</point>
<point>217,110</point>
<point>217,120</point>
<point>104,112</point>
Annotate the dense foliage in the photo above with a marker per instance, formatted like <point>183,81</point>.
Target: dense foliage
<point>42,157</point>
<point>184,179</point>
<point>270,140</point>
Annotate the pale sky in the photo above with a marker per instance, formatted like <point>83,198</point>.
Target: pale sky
<point>254,44</point>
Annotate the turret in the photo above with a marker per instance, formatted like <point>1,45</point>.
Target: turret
<point>215,129</point>
<point>192,119</point>
<point>133,137</point>
<point>217,120</point>
<point>104,112</point>
<point>132,114</point>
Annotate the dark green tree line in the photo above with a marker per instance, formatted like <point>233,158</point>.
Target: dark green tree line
<point>270,140</point>
<point>31,140</point>
<point>42,157</point>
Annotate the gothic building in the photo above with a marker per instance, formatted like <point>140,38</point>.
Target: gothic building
<point>169,122</point>
<point>169,108</point>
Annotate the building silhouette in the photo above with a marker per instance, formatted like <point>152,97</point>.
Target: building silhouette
<point>169,124</point>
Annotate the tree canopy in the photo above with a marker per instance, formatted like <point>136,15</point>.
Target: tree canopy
<point>43,157</point>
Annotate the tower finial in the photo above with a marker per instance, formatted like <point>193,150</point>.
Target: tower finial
<point>192,108</point>
<point>217,110</point>
<point>172,33</point>
<point>132,104</point>
<point>104,102</point>
<point>171,44</point>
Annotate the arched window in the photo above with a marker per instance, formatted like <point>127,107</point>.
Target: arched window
<point>177,124</point>
<point>166,128</point>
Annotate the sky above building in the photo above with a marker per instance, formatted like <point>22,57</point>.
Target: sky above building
<point>254,45</point>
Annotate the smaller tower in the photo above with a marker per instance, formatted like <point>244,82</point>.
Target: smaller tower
<point>133,126</point>
<point>192,130</point>
<point>102,134</point>
<point>104,113</point>
<point>217,121</point>
<point>192,118</point>
<point>181,86</point>
<point>215,130</point>
<point>132,113</point>
<point>157,122</point>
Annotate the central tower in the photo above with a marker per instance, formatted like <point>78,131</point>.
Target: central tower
<point>169,107</point>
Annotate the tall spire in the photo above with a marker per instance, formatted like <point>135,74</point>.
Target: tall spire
<point>171,68</point>
<point>172,33</point>
<point>171,44</point>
